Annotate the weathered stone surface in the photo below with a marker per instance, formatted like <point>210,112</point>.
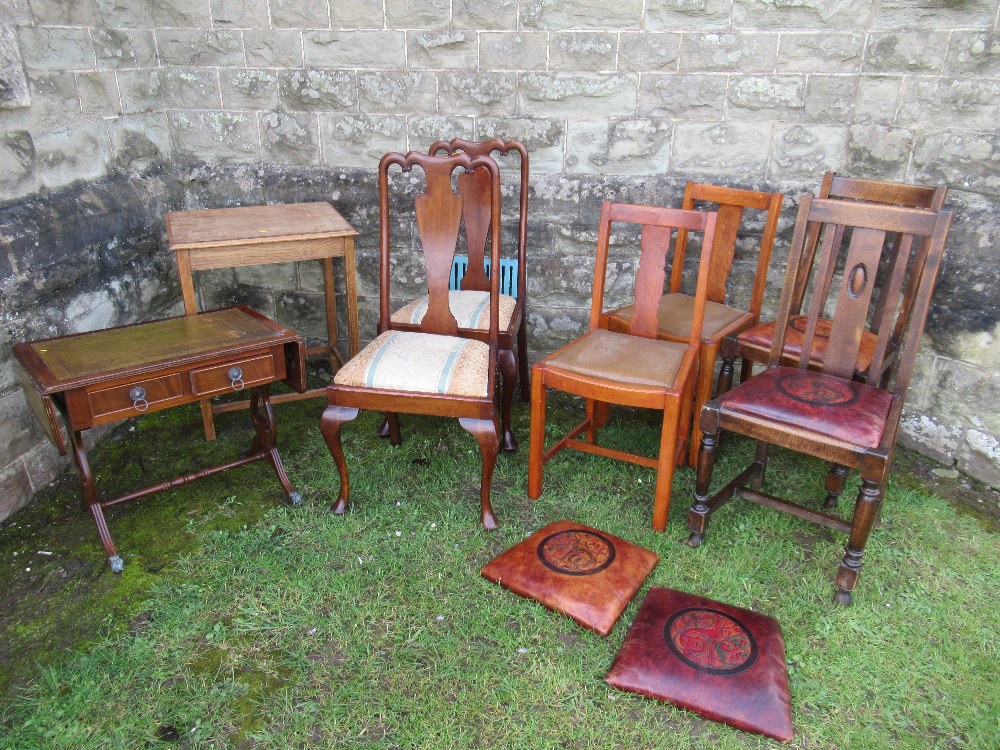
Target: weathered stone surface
<point>129,15</point>
<point>196,47</point>
<point>290,138</point>
<point>906,51</point>
<point>113,48</point>
<point>965,396</point>
<point>878,150</point>
<point>941,14</point>
<point>54,98</point>
<point>354,49</point>
<point>729,148</point>
<point>631,147</point>
<point>807,150</point>
<point>543,138</point>
<point>581,14</point>
<point>830,98</point>
<point>190,87</point>
<point>214,136</point>
<point>64,157</point>
<point>423,130</point>
<point>477,94</point>
<point>15,489</point>
<point>582,50</point>
<point>972,104</point>
<point>688,15</point>
<point>642,52</point>
<point>17,159</point>
<point>274,277</point>
<point>767,97</point>
<point>140,142</point>
<point>55,48</point>
<point>13,83</point>
<point>980,456</point>
<point>360,140</point>
<point>300,14</point>
<point>140,90</point>
<point>358,14</point>
<point>442,49</point>
<point>930,436</point>
<point>878,98</point>
<point>273,48</point>
<point>240,14</point>
<point>65,12</point>
<point>820,53</point>
<point>521,50</point>
<point>98,92</point>
<point>21,428</point>
<point>578,94</point>
<point>802,14</point>
<point>973,53</point>
<point>417,14</point>
<point>321,90</point>
<point>249,88</point>
<point>484,14</point>
<point>967,160</point>
<point>398,93</point>
<point>727,52</point>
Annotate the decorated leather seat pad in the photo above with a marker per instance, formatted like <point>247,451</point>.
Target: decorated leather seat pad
<point>584,573</point>
<point>722,662</point>
<point>843,409</point>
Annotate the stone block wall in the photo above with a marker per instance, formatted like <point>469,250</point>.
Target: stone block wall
<point>114,111</point>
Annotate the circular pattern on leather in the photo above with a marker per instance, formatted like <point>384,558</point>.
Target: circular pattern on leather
<point>815,389</point>
<point>823,326</point>
<point>710,641</point>
<point>576,552</point>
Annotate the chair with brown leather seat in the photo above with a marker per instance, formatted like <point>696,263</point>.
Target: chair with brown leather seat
<point>431,370</point>
<point>469,302</point>
<point>820,408</point>
<point>631,368</point>
<point>721,319</point>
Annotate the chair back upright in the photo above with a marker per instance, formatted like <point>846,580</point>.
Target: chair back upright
<point>853,240</point>
<point>730,204</point>
<point>657,226</point>
<point>439,212</point>
<point>475,191</point>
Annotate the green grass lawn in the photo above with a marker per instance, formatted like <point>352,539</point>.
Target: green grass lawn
<point>239,623</point>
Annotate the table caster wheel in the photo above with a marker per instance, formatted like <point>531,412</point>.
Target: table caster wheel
<point>116,563</point>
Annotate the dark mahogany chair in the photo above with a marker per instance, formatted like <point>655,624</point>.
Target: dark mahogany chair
<point>631,368</point>
<point>821,409</point>
<point>721,319</point>
<point>431,370</point>
<point>469,302</point>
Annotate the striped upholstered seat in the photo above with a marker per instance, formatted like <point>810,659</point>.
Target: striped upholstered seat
<point>471,310</point>
<point>420,363</point>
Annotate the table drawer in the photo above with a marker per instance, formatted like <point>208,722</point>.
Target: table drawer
<point>233,376</point>
<point>135,398</point>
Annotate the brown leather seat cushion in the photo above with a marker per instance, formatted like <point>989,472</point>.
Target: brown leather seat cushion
<point>843,409</point>
<point>621,357</point>
<point>723,662</point>
<point>676,311</point>
<point>762,335</point>
<point>574,569</point>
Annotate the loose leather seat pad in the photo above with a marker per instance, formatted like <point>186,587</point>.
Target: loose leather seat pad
<point>581,572</point>
<point>676,312</point>
<point>620,357</point>
<point>762,335</point>
<point>722,662</point>
<point>841,408</point>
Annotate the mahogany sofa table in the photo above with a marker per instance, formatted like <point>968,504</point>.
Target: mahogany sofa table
<point>105,376</point>
<point>257,235</point>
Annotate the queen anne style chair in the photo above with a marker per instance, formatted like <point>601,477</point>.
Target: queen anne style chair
<point>430,370</point>
<point>469,303</point>
<point>634,367</point>
<point>676,308</point>
<point>820,409</point>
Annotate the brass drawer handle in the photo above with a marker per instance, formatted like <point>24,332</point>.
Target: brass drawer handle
<point>235,376</point>
<point>138,396</point>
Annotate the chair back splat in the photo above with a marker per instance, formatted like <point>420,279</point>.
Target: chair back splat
<point>823,406</point>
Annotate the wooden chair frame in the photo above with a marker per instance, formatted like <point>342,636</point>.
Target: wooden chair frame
<point>869,224</point>
<point>438,215</point>
<point>731,204</point>
<point>674,399</point>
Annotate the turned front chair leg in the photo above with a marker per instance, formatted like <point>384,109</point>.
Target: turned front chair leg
<point>869,499</point>
<point>487,435</point>
<point>725,376</point>
<point>834,484</point>
<point>703,392</point>
<point>759,465</point>
<point>330,424</point>
<point>508,373</point>
<point>699,513</point>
